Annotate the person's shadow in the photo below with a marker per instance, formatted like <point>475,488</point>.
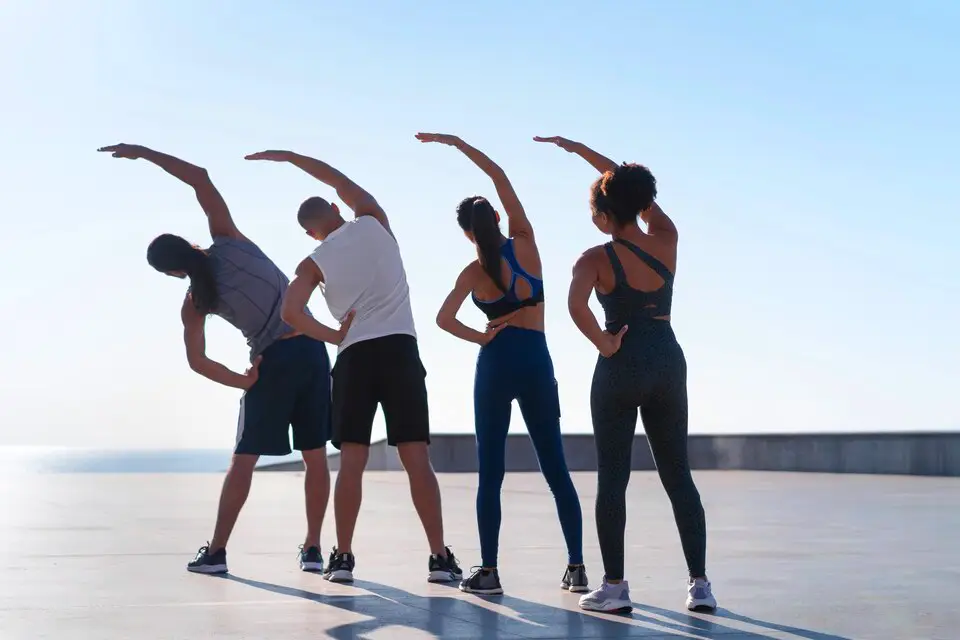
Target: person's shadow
<point>495,617</point>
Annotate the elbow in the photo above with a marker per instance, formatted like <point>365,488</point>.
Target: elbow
<point>290,316</point>
<point>199,178</point>
<point>443,321</point>
<point>197,363</point>
<point>577,310</point>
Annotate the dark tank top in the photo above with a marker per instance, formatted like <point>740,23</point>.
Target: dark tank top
<point>624,303</point>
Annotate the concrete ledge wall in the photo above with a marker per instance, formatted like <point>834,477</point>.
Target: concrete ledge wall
<point>925,454</point>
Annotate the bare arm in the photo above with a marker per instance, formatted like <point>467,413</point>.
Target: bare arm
<point>447,316</point>
<point>355,197</point>
<point>194,340</point>
<point>599,162</point>
<point>658,223</point>
<point>517,217</point>
<point>585,279</point>
<point>308,277</point>
<point>212,203</point>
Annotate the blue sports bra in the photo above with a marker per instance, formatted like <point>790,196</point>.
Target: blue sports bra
<point>509,302</point>
<point>624,302</point>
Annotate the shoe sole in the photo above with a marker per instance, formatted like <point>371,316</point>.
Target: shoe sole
<point>443,576</point>
<point>339,576</point>
<point>208,569</point>
<point>624,607</point>
<point>702,606</point>
<point>313,567</point>
<point>482,592</point>
<point>575,588</point>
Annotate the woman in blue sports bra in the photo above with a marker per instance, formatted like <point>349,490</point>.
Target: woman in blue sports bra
<point>514,364</point>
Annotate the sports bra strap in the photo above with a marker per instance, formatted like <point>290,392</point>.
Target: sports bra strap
<point>658,267</point>
<point>619,275</point>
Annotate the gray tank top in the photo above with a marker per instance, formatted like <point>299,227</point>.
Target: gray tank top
<point>251,288</point>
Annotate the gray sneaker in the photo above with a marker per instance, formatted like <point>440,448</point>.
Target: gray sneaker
<point>575,579</point>
<point>609,598</point>
<point>700,595</point>
<point>482,582</point>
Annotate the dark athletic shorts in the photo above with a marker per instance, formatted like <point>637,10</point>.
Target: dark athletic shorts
<point>293,390</point>
<point>385,371</point>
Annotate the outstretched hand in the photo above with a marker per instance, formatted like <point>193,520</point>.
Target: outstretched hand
<point>128,151</point>
<point>563,143</point>
<point>442,138</point>
<point>273,156</point>
<point>611,342</point>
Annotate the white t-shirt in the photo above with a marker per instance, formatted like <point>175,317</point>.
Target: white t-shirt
<point>363,271</point>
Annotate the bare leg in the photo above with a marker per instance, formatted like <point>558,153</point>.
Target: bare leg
<point>349,492</point>
<point>316,486</point>
<point>236,488</point>
<point>425,492</point>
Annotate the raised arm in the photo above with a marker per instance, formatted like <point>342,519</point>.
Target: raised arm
<point>194,339</point>
<point>599,162</point>
<point>293,309</point>
<point>585,279</point>
<point>355,197</point>
<point>447,316</point>
<point>658,222</point>
<point>212,203</point>
<point>519,224</point>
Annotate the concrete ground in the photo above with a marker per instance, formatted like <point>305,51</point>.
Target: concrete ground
<point>815,557</point>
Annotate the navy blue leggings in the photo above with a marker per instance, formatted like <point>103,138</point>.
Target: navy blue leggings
<point>516,365</point>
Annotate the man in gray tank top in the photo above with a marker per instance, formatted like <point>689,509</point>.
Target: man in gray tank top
<point>288,382</point>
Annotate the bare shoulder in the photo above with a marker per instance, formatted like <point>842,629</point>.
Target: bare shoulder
<point>591,257</point>
<point>470,273</point>
<point>189,314</point>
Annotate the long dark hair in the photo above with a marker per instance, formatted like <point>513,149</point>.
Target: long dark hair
<point>624,193</point>
<point>477,216</point>
<point>169,253</point>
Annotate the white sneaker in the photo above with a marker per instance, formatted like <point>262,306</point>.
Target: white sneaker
<point>609,598</point>
<point>700,596</point>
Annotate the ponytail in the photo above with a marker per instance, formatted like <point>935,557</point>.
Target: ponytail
<point>168,253</point>
<point>476,215</point>
<point>203,284</point>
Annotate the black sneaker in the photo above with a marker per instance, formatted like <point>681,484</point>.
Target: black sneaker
<point>482,582</point>
<point>444,569</point>
<point>311,559</point>
<point>575,579</point>
<point>207,562</point>
<point>340,567</point>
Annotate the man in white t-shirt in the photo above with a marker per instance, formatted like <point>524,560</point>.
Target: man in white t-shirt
<point>359,269</point>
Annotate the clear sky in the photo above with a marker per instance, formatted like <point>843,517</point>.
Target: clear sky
<point>806,150</point>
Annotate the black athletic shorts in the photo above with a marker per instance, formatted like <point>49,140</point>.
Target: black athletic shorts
<point>383,371</point>
<point>293,389</point>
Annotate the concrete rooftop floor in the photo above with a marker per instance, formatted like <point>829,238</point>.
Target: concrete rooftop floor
<point>816,557</point>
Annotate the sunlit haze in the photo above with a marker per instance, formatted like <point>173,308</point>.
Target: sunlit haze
<point>806,151</point>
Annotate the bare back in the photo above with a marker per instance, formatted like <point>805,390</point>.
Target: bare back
<point>527,284</point>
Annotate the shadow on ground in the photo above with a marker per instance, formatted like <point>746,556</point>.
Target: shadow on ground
<point>447,616</point>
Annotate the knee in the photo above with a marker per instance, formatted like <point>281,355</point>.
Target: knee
<point>681,489</point>
<point>315,461</point>
<point>353,460</point>
<point>242,464</point>
<point>415,458</point>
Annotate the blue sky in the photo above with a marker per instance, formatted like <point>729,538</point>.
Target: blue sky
<point>807,151</point>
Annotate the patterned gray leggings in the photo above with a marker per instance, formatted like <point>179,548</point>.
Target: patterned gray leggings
<point>648,374</point>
